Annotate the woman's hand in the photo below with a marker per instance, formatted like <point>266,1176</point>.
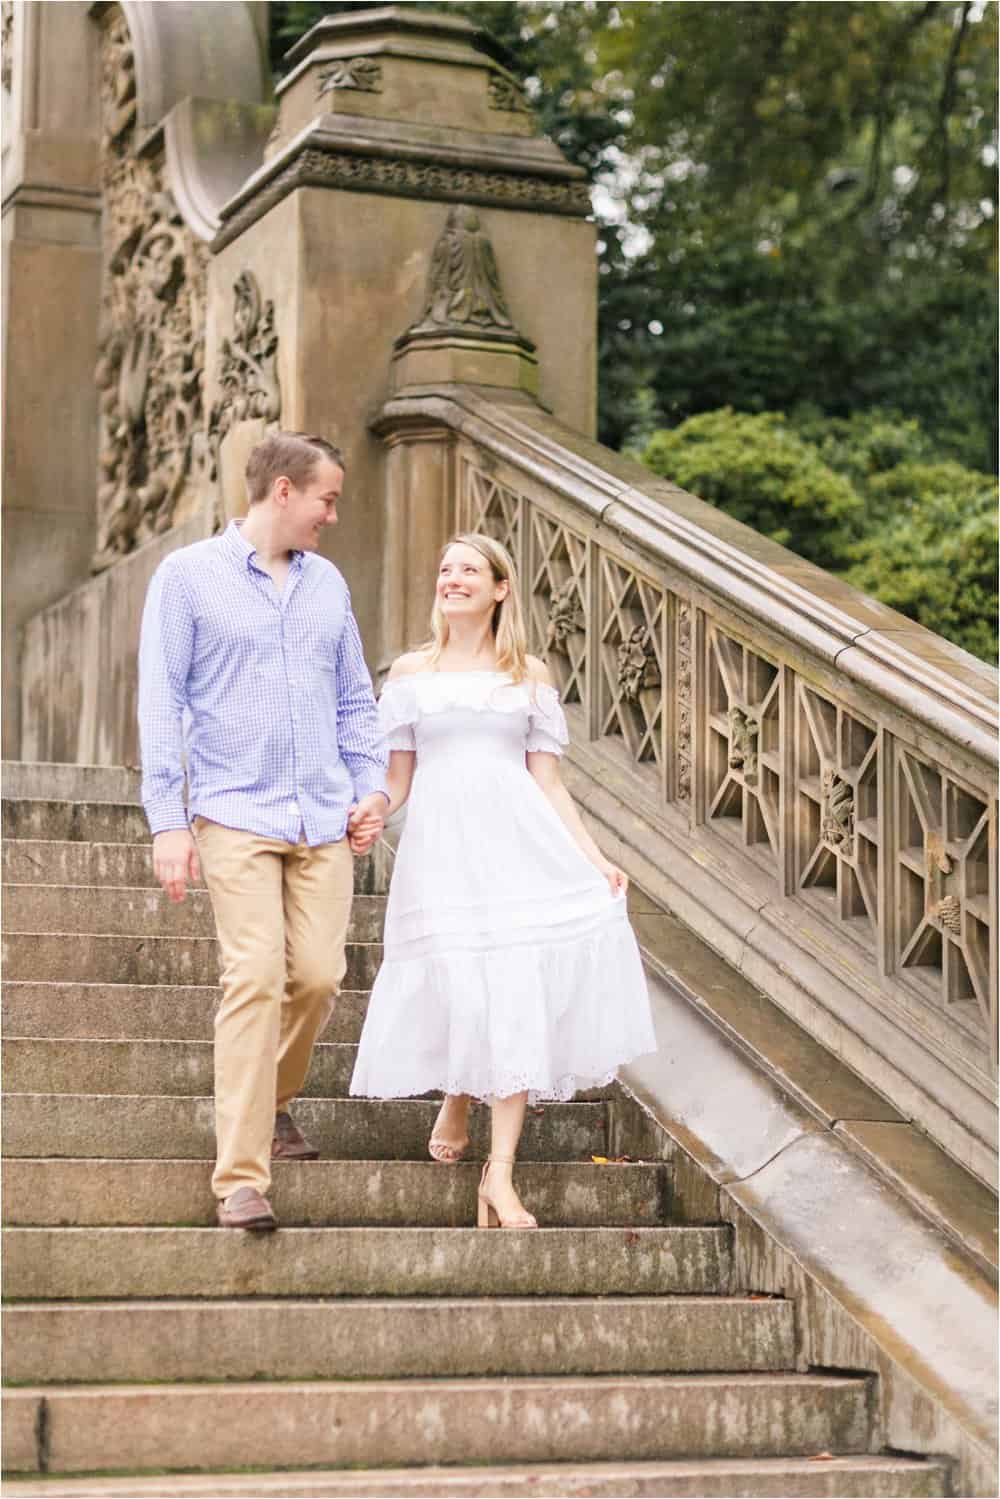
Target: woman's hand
<point>617,878</point>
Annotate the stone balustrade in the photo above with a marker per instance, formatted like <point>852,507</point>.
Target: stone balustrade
<point>810,777</point>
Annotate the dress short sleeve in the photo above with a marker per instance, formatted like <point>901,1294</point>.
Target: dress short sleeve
<point>547,731</point>
<point>397,713</point>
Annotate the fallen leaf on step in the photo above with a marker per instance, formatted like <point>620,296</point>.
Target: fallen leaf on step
<point>599,1160</point>
<point>820,1457</point>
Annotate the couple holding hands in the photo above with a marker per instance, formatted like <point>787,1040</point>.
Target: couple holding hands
<point>510,970</point>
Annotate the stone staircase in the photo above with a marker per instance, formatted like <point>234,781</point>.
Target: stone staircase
<point>377,1344</point>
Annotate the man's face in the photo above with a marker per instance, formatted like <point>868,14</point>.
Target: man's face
<point>314,506</point>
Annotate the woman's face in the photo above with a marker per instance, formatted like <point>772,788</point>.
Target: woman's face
<point>465,585</point>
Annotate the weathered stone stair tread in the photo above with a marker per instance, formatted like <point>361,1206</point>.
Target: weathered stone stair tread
<point>59,1065</point>
<point>598,1418</point>
<point>36,819</point>
<point>866,1477</point>
<point>111,910</point>
<point>140,1011</point>
<point>155,1127</point>
<point>116,959</point>
<point>104,1263</point>
<point>105,1193</point>
<point>54,861</point>
<point>138,1341</point>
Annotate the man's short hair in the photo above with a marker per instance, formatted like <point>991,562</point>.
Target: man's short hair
<point>289,455</point>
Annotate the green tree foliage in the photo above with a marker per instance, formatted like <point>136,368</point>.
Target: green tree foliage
<point>933,556</point>
<point>860,497</point>
<point>760,471</point>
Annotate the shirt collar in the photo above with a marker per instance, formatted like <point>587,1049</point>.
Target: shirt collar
<point>236,542</point>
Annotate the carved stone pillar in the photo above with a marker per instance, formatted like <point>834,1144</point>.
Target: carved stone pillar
<point>406,163</point>
<point>52,278</point>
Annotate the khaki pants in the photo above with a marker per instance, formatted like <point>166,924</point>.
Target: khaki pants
<point>281,915</point>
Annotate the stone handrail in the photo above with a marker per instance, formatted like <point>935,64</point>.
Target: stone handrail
<point>805,776</point>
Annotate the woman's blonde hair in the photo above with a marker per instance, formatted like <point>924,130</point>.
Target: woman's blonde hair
<point>508,618</point>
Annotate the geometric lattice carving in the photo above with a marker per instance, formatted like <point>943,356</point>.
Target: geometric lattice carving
<point>838,830</point>
<point>486,506</point>
<point>558,603</point>
<point>943,883</point>
<point>631,651</point>
<point>744,735</point>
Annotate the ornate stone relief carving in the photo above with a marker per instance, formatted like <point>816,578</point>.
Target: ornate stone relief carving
<point>362,73</point>
<point>566,616</point>
<point>149,372</point>
<point>464,296</point>
<point>637,668</point>
<point>248,362</point>
<point>506,94</point>
<point>7,45</point>
<point>683,702</point>
<point>744,731</point>
<point>837,817</point>
<point>410,178</point>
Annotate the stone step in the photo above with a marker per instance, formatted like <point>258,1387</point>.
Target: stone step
<point>826,1477</point>
<point>111,910</point>
<point>152,1128</point>
<point>65,782</point>
<point>343,1424</point>
<point>103,959</point>
<point>403,1194</point>
<point>72,1264</point>
<point>146,1341</point>
<point>139,1011</point>
<point>179,1068</point>
<point>74,821</point>
<point>52,862</point>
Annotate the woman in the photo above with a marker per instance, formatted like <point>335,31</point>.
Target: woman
<point>510,968</point>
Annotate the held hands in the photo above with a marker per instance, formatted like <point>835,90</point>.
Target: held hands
<point>366,822</point>
<point>175,861</point>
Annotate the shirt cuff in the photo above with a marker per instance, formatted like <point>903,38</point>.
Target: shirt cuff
<point>365,784</point>
<point>165,817</point>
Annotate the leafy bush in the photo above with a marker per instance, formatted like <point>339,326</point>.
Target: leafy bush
<point>759,470</point>
<point>933,555</point>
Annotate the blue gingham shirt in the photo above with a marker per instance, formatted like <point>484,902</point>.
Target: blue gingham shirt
<point>265,694</point>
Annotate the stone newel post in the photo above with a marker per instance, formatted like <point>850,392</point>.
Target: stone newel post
<point>405,167</point>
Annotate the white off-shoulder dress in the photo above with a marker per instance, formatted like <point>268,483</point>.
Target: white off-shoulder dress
<point>509,965</point>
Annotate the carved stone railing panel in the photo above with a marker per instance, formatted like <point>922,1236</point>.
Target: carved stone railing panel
<point>743,741</point>
<point>488,506</point>
<point>837,815</point>
<point>631,635</point>
<point>943,882</point>
<point>558,602</point>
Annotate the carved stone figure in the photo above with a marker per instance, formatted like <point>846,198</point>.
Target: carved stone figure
<point>744,732</point>
<point>566,616</point>
<point>637,668</point>
<point>149,371</point>
<point>837,814</point>
<point>464,295</point>
<point>363,73</point>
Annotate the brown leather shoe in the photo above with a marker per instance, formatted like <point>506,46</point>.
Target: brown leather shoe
<point>289,1143</point>
<point>246,1208</point>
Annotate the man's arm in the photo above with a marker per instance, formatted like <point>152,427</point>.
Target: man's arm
<point>165,649</point>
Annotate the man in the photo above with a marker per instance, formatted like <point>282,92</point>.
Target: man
<point>250,667</point>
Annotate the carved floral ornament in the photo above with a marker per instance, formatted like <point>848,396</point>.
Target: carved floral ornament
<point>247,367</point>
<point>150,366</point>
<point>637,668</point>
<point>507,94</point>
<point>566,616</point>
<point>7,44</point>
<point>837,814</point>
<point>744,732</point>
